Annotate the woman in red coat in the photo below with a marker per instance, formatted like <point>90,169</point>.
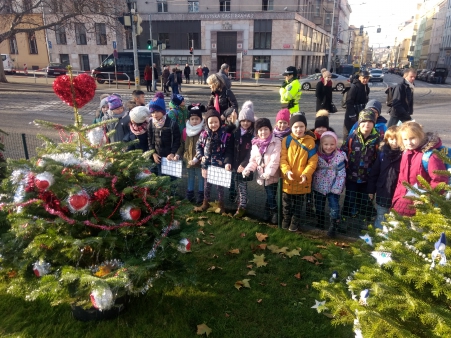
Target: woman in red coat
<point>415,143</point>
<point>148,77</point>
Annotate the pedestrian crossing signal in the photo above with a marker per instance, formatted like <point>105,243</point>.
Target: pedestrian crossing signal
<point>149,44</point>
<point>191,50</point>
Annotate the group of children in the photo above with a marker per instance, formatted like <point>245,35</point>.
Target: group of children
<point>372,163</point>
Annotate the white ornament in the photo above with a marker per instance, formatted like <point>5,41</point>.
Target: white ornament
<point>382,257</point>
<point>130,212</point>
<point>102,299</point>
<point>184,245</point>
<point>318,304</point>
<point>367,239</point>
<point>41,268</point>
<point>97,136</point>
<point>364,295</point>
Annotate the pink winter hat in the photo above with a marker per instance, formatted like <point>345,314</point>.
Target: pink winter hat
<point>330,133</point>
<point>284,115</point>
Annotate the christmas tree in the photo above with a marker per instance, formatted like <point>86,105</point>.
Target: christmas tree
<point>397,282</point>
<point>89,222</point>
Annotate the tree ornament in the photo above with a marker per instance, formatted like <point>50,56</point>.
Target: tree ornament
<point>334,277</point>
<point>44,180</point>
<point>41,268</point>
<point>364,297</point>
<point>448,195</point>
<point>440,246</point>
<point>84,87</point>
<point>78,202</point>
<point>318,305</point>
<point>367,239</point>
<point>102,298</point>
<point>144,174</point>
<point>97,136</point>
<point>184,245</point>
<point>101,195</point>
<point>130,213</point>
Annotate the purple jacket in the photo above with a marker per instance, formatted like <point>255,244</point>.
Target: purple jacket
<point>330,177</point>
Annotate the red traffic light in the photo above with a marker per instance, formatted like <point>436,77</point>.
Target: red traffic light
<point>191,50</point>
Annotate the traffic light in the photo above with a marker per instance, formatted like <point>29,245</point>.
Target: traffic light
<point>139,21</point>
<point>361,30</point>
<point>191,50</point>
<point>149,44</point>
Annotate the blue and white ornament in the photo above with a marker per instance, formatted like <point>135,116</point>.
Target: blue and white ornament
<point>381,257</point>
<point>364,297</point>
<point>367,239</point>
<point>102,298</point>
<point>440,246</point>
<point>334,277</point>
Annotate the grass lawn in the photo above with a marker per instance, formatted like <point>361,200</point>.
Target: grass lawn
<point>277,304</point>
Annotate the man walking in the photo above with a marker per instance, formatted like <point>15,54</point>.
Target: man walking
<point>356,100</point>
<point>224,73</point>
<point>205,71</point>
<point>402,106</point>
<point>155,77</point>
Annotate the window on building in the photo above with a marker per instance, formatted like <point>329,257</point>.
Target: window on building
<point>13,45</point>
<point>32,44</point>
<point>193,37</point>
<point>56,6</point>
<point>164,38</point>
<point>318,8</point>
<point>262,64</point>
<point>80,34</point>
<point>27,5</point>
<point>64,59</point>
<point>193,6</point>
<point>84,62</point>
<point>328,19</point>
<point>162,6</point>
<point>101,34</point>
<point>262,34</point>
<point>224,5</point>
<point>267,5</point>
<point>102,57</point>
<point>60,33</point>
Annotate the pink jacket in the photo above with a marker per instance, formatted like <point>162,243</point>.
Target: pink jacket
<point>330,177</point>
<point>270,164</point>
<point>411,167</point>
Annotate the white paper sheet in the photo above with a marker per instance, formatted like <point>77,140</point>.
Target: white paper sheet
<point>171,168</point>
<point>219,176</point>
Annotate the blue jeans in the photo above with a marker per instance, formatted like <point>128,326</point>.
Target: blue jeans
<point>334,204</point>
<point>271,192</point>
<point>154,85</point>
<point>205,78</point>
<point>192,173</point>
<point>381,211</point>
<point>175,89</point>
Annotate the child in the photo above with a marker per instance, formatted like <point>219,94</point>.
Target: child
<point>163,135</point>
<point>138,122</point>
<point>138,98</point>
<point>298,161</point>
<point>384,175</point>
<point>265,157</point>
<point>178,111</point>
<point>361,149</point>
<point>116,111</point>
<point>282,127</point>
<point>103,109</point>
<point>381,122</point>
<point>415,142</point>
<point>187,151</point>
<point>329,180</point>
<point>214,147</point>
<point>242,138</point>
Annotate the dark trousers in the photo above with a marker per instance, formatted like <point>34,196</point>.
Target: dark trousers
<point>187,78</point>
<point>334,204</point>
<point>175,89</point>
<point>357,200</point>
<point>394,121</point>
<point>149,85</point>
<point>292,206</point>
<point>271,192</point>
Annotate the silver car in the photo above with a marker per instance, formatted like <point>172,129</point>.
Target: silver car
<point>339,82</point>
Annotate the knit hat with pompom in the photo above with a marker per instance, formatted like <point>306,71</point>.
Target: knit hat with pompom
<point>322,119</point>
<point>247,112</point>
<point>157,103</point>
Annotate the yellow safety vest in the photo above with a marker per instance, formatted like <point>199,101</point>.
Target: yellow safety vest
<point>291,92</point>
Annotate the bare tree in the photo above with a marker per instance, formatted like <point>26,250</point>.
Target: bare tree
<point>19,16</point>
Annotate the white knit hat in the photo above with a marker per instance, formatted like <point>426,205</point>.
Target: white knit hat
<point>139,114</point>
<point>247,112</point>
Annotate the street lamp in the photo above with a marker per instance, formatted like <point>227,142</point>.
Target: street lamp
<point>329,56</point>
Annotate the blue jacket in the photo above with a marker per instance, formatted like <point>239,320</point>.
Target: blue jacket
<point>380,126</point>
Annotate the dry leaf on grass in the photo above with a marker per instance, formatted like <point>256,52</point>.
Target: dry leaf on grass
<point>198,209</point>
<point>214,267</point>
<point>234,251</point>
<point>201,223</point>
<point>318,256</point>
<point>292,253</point>
<point>298,275</point>
<point>215,256</point>
<point>198,240</point>
<point>318,263</point>
<point>201,232</point>
<point>203,217</point>
<point>259,260</point>
<point>259,300</point>
<point>342,244</point>
<point>242,234</point>
<point>212,236</point>
<point>261,237</point>
<point>321,246</point>
<point>242,283</point>
<point>311,259</point>
<point>283,284</point>
<point>273,248</point>
<point>208,243</point>
<point>189,219</point>
<point>251,273</point>
<point>282,250</point>
<point>203,328</point>
<point>262,246</point>
<point>250,266</point>
<point>209,222</point>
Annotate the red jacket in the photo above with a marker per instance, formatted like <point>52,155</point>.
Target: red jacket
<point>411,167</point>
<point>148,74</point>
<point>199,71</point>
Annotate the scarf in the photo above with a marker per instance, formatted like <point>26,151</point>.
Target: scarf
<point>139,130</point>
<point>262,144</point>
<point>159,124</point>
<point>243,131</point>
<point>281,133</point>
<point>411,85</point>
<point>194,130</point>
<point>217,103</point>
<point>326,157</point>
<point>110,115</point>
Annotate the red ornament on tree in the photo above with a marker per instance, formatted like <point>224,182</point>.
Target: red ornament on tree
<point>130,213</point>
<point>84,86</point>
<point>101,195</point>
<point>79,202</point>
<point>44,181</point>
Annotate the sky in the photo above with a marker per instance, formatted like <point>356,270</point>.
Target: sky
<point>386,14</point>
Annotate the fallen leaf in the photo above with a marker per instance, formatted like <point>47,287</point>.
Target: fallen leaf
<point>242,234</point>
<point>318,263</point>
<point>261,237</point>
<point>259,300</point>
<point>198,209</point>
<point>208,243</point>
<point>292,253</point>
<point>209,222</point>
<point>201,223</point>
<point>189,219</point>
<point>198,240</point>
<point>214,267</point>
<point>273,248</point>
<point>212,236</point>
<point>343,245</point>
<point>218,210</point>
<point>251,273</point>
<point>238,285</point>
<point>234,251</point>
<point>213,207</point>
<point>246,283</point>
<point>250,266</point>
<point>282,250</point>
<point>298,275</point>
<point>328,315</point>
<point>262,246</point>
<point>321,246</point>
<point>311,259</point>
<point>203,217</point>
<point>201,232</point>
<point>227,315</point>
<point>215,256</point>
<point>203,328</point>
<point>283,284</point>
<point>318,255</point>
<point>259,260</point>
<point>247,219</point>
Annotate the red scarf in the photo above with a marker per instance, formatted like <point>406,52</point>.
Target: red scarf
<point>217,103</point>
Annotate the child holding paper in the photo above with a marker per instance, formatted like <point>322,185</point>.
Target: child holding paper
<point>214,148</point>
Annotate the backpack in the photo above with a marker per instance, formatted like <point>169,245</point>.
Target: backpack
<point>344,97</point>
<point>427,155</point>
<point>389,91</point>
<point>310,152</point>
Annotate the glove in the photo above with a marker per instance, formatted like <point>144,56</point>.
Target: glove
<point>290,104</point>
<point>284,84</point>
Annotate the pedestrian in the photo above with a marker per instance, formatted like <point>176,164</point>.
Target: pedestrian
<point>138,122</point>
<point>402,106</point>
<point>116,111</point>
<point>205,72</point>
<point>148,77</point>
<point>381,122</point>
<point>224,73</point>
<point>102,110</point>
<point>155,77</point>
<point>164,79</point>
<point>299,72</point>
<point>384,175</point>
<point>178,111</point>
<point>172,82</point>
<point>138,98</point>
<point>187,72</point>
<point>329,181</point>
<point>361,149</point>
<point>282,127</point>
<point>178,72</point>
<point>298,161</point>
<point>214,148</point>
<point>199,74</point>
<point>221,98</point>
<point>356,100</point>
<point>190,135</point>
<point>290,91</point>
<point>242,145</point>
<point>415,142</point>
<point>323,92</point>
<point>265,160</point>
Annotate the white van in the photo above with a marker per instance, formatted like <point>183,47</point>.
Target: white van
<point>8,64</point>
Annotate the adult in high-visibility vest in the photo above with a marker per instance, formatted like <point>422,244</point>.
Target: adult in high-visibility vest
<point>290,91</point>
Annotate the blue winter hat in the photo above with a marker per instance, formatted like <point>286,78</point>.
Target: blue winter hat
<point>157,103</point>
<point>114,102</point>
<point>178,99</point>
<point>374,104</point>
<point>441,240</point>
<point>104,102</point>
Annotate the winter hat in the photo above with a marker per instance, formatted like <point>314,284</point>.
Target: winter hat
<point>211,113</point>
<point>262,122</point>
<point>177,99</point>
<point>139,114</point>
<point>374,104</point>
<point>114,102</point>
<point>322,119</point>
<point>298,117</point>
<point>330,133</point>
<point>228,112</point>
<point>247,112</point>
<point>196,109</point>
<point>103,102</point>
<point>157,103</point>
<point>367,115</point>
<point>284,115</point>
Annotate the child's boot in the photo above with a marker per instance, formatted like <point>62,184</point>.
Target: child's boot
<point>294,225</point>
<point>221,207</point>
<point>205,205</point>
<point>240,212</point>
<point>274,219</point>
<point>334,225</point>
<point>200,197</point>
<point>190,196</point>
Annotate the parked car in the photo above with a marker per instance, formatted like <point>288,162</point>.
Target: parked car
<point>419,71</point>
<point>376,75</point>
<point>424,75</point>
<point>385,70</point>
<point>55,68</point>
<point>430,77</point>
<point>8,64</point>
<point>440,75</point>
<point>339,82</point>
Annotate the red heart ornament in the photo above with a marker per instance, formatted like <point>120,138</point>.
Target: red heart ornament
<point>84,86</point>
<point>42,184</point>
<point>135,213</point>
<point>78,202</point>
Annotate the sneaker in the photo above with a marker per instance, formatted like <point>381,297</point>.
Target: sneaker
<point>285,225</point>
<point>240,212</point>
<point>293,227</point>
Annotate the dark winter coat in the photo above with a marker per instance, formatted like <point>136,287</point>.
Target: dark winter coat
<point>155,73</point>
<point>226,99</point>
<point>143,138</point>
<point>216,147</point>
<point>402,106</point>
<point>226,78</point>
<point>323,96</point>
<point>384,175</point>
<point>121,127</point>
<point>165,140</point>
<point>178,72</point>
<point>165,74</point>
<point>242,146</point>
<point>205,71</point>
<point>187,71</point>
<point>357,95</point>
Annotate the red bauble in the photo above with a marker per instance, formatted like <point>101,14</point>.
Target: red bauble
<point>101,195</point>
<point>44,184</point>
<point>84,86</point>
<point>135,213</point>
<point>78,202</point>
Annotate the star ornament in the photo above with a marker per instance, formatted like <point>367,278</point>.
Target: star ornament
<point>364,297</point>
<point>319,306</point>
<point>382,257</point>
<point>439,251</point>
<point>367,239</point>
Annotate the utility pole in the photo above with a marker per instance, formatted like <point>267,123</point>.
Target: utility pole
<point>329,56</point>
<point>192,45</point>
<point>151,51</point>
<point>135,47</point>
